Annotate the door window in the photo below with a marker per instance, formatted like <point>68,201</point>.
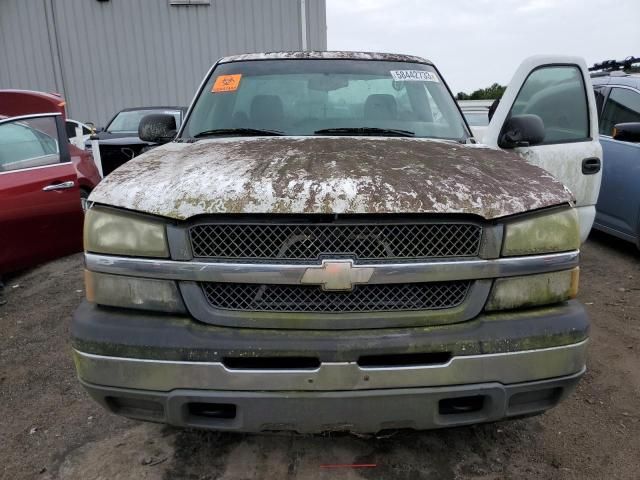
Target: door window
<point>71,130</point>
<point>599,93</point>
<point>623,105</point>
<point>557,95</point>
<point>28,143</point>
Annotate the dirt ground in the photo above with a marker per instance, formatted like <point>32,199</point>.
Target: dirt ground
<point>50,429</point>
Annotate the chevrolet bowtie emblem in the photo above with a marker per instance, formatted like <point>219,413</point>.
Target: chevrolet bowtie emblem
<point>337,275</point>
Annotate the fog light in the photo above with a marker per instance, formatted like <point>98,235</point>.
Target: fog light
<point>133,292</point>
<point>534,290</point>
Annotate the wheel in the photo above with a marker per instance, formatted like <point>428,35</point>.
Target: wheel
<point>84,195</point>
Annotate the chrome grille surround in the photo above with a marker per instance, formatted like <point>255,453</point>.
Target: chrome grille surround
<point>191,273</point>
<point>362,298</point>
<point>311,241</point>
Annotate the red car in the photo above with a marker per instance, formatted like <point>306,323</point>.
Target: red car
<point>42,180</point>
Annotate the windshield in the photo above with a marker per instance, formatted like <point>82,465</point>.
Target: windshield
<point>325,97</point>
<point>128,121</point>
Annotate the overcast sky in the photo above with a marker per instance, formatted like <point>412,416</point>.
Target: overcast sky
<point>477,42</point>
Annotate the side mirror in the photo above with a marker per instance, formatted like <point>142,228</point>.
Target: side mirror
<point>522,131</point>
<point>157,128</point>
<point>626,132</point>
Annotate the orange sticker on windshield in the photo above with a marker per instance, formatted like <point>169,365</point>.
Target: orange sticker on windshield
<point>226,83</point>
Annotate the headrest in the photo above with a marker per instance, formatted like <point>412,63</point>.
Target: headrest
<point>266,109</point>
<point>380,106</point>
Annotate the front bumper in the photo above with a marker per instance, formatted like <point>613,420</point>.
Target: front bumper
<point>182,372</point>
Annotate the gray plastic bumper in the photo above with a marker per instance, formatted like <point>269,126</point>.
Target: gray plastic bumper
<point>357,411</point>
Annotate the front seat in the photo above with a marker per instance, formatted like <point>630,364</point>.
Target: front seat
<point>267,112</point>
<point>380,106</point>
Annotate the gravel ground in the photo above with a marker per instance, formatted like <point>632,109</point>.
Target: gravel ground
<point>50,429</point>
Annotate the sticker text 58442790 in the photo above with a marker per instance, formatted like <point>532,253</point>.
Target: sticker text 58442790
<point>414,76</point>
<point>226,83</point>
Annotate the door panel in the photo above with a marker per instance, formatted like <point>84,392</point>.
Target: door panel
<point>557,89</point>
<point>41,217</point>
<point>619,202</point>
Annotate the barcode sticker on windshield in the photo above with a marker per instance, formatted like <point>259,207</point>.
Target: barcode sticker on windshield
<point>414,76</point>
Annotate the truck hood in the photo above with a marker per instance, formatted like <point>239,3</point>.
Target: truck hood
<point>329,175</point>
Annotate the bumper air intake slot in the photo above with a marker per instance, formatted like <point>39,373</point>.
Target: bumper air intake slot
<point>271,363</point>
<point>461,405</point>
<point>218,411</point>
<point>404,360</point>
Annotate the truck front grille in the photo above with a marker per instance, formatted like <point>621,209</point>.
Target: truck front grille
<point>312,241</point>
<point>363,298</point>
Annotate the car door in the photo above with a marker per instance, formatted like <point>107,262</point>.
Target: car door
<point>618,209</point>
<point>41,217</point>
<point>558,90</point>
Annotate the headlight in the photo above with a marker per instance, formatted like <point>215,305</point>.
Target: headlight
<point>534,290</point>
<point>552,232</point>
<point>122,233</point>
<point>133,292</point>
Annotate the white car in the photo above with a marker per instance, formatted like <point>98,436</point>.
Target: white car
<point>78,132</point>
<point>476,112</point>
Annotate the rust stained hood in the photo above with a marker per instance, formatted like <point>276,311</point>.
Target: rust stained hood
<point>329,175</point>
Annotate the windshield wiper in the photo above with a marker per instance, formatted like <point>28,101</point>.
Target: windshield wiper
<point>248,132</point>
<point>390,132</point>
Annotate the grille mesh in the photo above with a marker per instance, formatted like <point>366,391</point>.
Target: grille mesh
<point>309,242</point>
<point>363,298</point>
